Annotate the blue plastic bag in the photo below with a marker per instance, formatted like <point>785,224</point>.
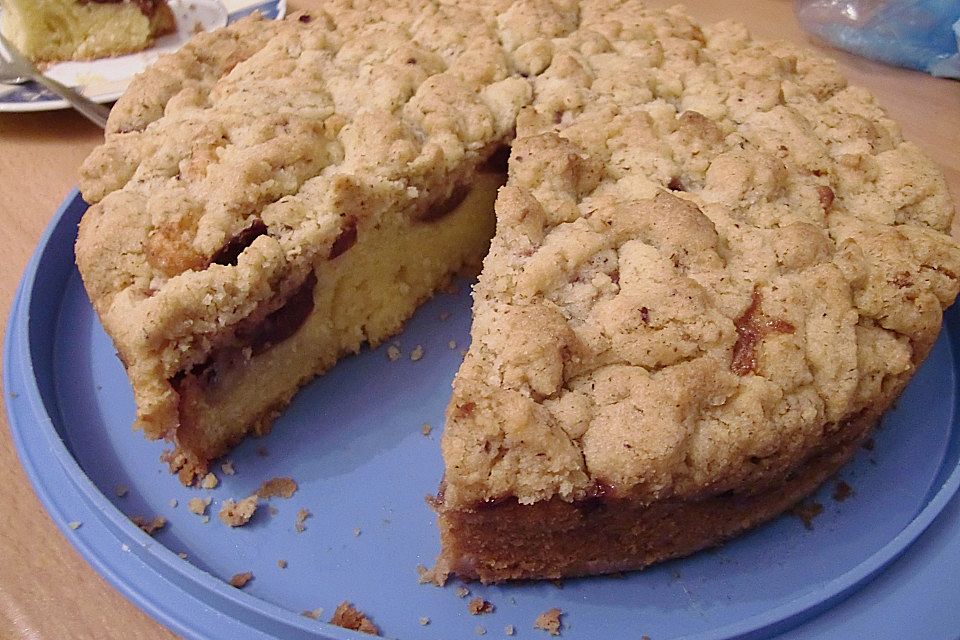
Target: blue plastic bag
<point>918,34</point>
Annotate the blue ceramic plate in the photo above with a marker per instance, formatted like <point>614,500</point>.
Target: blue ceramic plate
<point>104,80</point>
<point>353,442</point>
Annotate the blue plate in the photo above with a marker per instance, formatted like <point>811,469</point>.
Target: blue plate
<point>353,442</point>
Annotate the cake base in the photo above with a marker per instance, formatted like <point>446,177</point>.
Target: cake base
<point>557,539</point>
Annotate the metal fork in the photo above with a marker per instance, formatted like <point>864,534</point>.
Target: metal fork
<point>19,65</point>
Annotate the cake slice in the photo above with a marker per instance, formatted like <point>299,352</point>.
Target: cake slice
<point>716,265</point>
<point>58,30</point>
<point>273,213</point>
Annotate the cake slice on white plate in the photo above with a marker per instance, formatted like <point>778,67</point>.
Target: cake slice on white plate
<point>59,30</point>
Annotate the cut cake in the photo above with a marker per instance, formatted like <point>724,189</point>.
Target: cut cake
<point>715,264</point>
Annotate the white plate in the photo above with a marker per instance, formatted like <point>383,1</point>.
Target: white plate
<point>105,80</point>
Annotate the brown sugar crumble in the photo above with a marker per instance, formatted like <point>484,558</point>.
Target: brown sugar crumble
<point>302,516</point>
<point>807,511</point>
<point>509,630</point>
<point>393,353</point>
<point>313,615</point>
<point>227,468</point>
<point>842,491</point>
<point>209,481</point>
<point>282,563</point>
<point>75,524</point>
<point>120,491</point>
<point>237,514</point>
<point>549,621</point>
<point>424,621</point>
<point>149,526</point>
<point>480,630</point>
<point>198,506</point>
<point>479,606</point>
<point>462,592</point>
<point>348,617</point>
<point>417,353</point>
<point>277,487</point>
<point>240,580</point>
<point>425,429</point>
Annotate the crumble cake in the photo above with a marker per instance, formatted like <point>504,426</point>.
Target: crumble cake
<point>715,264</point>
<point>58,30</point>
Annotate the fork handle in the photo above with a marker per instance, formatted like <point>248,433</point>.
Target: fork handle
<point>95,113</point>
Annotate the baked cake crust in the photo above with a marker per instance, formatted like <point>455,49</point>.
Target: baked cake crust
<point>715,264</point>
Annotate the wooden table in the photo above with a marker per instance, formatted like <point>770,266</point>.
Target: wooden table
<point>46,588</point>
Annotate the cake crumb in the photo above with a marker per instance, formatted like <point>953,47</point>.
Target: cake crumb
<point>282,563</point>
<point>198,506</point>
<point>424,621</point>
<point>430,576</point>
<point>479,606</point>
<point>393,353</point>
<point>842,491</point>
<point>509,630</point>
<point>348,617</point>
<point>425,429</point>
<point>302,515</point>
<point>149,526</point>
<point>312,614</point>
<point>240,580</point>
<point>237,514</point>
<point>204,519</point>
<point>75,524</point>
<point>173,503</point>
<point>807,511</point>
<point>356,532</point>
<point>480,630</point>
<point>227,468</point>
<point>417,353</point>
<point>462,592</point>
<point>277,487</point>
<point>182,555</point>
<point>120,491</point>
<point>549,621</point>
<point>452,344</point>
<point>209,481</point>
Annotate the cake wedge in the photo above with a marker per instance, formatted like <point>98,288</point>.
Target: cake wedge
<point>59,30</point>
<point>716,266</point>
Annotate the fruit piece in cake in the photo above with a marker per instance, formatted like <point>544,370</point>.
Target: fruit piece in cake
<point>57,30</point>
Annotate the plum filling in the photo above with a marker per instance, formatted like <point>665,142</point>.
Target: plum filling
<point>346,239</point>
<point>258,336</point>
<point>282,323</point>
<point>752,327</point>
<point>147,7</point>
<point>445,207</point>
<point>229,253</point>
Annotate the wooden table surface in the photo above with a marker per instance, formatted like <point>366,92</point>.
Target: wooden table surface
<point>46,589</point>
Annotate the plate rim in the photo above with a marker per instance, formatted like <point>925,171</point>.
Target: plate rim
<point>19,365</point>
<point>58,104</point>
